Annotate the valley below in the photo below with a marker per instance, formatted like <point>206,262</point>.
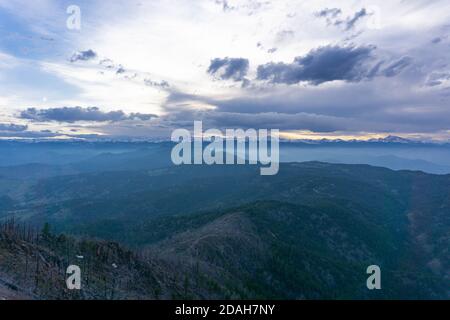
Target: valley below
<point>225,232</point>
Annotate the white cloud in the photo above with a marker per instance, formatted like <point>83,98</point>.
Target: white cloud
<point>175,41</point>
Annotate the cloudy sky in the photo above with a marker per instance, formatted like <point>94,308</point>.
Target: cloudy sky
<point>311,68</point>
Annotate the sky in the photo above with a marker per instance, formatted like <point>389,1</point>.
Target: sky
<point>140,69</point>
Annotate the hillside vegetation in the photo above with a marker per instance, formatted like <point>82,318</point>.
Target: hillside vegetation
<point>309,232</point>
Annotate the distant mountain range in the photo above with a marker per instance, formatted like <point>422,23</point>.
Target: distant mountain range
<point>81,156</point>
<point>388,139</point>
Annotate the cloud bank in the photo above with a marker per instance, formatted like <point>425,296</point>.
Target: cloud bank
<point>321,65</point>
<point>75,114</point>
<point>10,127</point>
<point>229,68</point>
<point>378,66</point>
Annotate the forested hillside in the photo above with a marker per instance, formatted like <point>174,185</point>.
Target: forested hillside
<point>309,232</point>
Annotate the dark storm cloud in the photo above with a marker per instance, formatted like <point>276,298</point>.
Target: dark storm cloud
<point>397,67</point>
<point>229,68</point>
<point>12,127</point>
<point>321,65</point>
<point>383,120</point>
<point>83,55</point>
<point>384,104</point>
<point>74,114</point>
<point>347,101</point>
<point>275,120</point>
<point>258,111</point>
<point>140,116</point>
